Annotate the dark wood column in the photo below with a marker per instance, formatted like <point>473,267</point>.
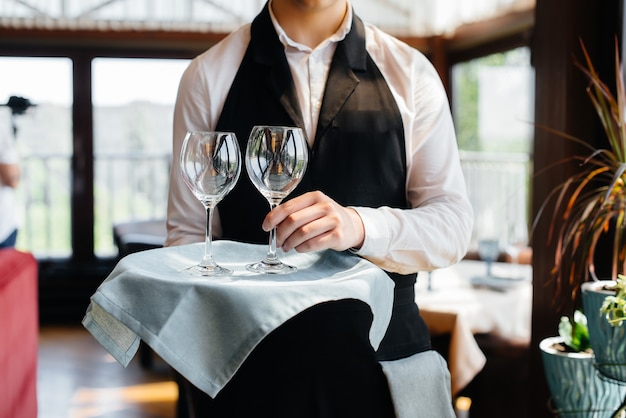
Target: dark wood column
<point>561,103</point>
<point>82,205</point>
<point>439,58</point>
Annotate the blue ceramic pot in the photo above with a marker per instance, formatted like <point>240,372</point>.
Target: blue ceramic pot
<point>608,342</point>
<point>577,389</point>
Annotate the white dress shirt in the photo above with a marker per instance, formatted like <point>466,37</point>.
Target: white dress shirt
<point>434,233</point>
<point>9,215</point>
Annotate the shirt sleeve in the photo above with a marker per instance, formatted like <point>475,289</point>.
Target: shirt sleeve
<point>201,94</point>
<point>436,231</point>
<point>8,149</point>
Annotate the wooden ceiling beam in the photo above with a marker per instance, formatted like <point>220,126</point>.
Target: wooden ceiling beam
<point>187,44</point>
<point>468,40</point>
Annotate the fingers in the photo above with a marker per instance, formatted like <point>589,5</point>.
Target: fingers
<point>282,211</point>
<point>313,222</point>
<point>310,229</point>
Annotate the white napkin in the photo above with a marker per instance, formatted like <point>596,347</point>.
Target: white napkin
<point>420,386</point>
<point>206,327</point>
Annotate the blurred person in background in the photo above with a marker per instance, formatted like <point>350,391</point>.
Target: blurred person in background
<point>9,180</point>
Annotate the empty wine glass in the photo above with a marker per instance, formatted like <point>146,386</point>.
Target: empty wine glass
<point>210,163</point>
<point>488,251</point>
<point>517,240</point>
<point>276,158</point>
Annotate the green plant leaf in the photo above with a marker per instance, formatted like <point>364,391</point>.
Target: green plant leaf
<point>574,331</point>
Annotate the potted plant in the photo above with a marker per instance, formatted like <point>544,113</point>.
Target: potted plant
<point>614,305</point>
<point>592,203</point>
<point>577,390</point>
<point>590,206</point>
<point>605,301</point>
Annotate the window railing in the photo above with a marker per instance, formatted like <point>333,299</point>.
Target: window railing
<point>128,186</point>
<point>498,185</point>
<point>45,193</point>
<point>134,186</point>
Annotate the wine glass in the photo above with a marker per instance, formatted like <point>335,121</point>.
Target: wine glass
<point>517,239</point>
<point>210,163</point>
<point>488,251</point>
<point>276,158</point>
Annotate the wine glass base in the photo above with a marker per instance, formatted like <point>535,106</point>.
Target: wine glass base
<point>264,267</point>
<point>208,271</point>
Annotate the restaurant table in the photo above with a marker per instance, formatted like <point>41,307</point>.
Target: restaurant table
<point>205,327</point>
<point>462,302</point>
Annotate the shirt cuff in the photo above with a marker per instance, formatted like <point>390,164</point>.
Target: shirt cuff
<point>376,242</point>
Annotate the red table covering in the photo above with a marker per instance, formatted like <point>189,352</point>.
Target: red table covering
<point>19,333</point>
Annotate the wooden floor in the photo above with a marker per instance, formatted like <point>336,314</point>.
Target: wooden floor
<point>77,378</point>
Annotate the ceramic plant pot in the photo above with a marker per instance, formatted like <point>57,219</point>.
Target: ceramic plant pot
<point>577,389</point>
<point>608,342</point>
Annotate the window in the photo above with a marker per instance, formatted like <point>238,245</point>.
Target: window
<point>493,105</point>
<point>133,105</point>
<point>133,110</point>
<point>44,136</point>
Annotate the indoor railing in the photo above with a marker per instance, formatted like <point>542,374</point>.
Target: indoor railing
<point>133,187</point>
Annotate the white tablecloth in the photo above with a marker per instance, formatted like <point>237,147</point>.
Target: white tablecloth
<point>206,327</point>
<point>458,306</point>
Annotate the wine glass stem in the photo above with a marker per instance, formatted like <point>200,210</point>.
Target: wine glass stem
<point>207,259</point>
<point>271,252</point>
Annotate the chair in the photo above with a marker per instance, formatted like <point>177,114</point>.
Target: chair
<point>131,237</point>
<point>19,334</point>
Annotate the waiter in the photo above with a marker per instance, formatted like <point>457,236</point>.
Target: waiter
<point>383,181</point>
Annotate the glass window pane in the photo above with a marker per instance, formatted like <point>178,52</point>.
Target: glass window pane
<point>133,110</point>
<point>493,109</point>
<point>493,103</point>
<point>44,136</point>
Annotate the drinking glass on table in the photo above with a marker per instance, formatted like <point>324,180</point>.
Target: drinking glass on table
<point>517,240</point>
<point>488,251</point>
<point>276,159</point>
<point>210,163</point>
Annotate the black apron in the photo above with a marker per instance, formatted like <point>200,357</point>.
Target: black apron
<point>358,158</point>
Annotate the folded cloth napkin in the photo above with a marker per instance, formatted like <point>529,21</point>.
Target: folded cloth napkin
<point>205,327</point>
<point>420,386</point>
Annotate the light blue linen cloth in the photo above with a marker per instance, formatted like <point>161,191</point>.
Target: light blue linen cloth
<point>420,386</point>
<point>205,327</point>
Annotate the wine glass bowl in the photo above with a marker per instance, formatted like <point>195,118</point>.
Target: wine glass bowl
<point>276,159</point>
<point>210,164</point>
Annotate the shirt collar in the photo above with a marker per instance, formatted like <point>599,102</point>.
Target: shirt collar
<point>338,36</point>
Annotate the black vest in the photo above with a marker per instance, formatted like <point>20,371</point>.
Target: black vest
<point>359,142</point>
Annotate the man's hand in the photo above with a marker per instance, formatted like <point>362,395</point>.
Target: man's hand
<point>313,222</point>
